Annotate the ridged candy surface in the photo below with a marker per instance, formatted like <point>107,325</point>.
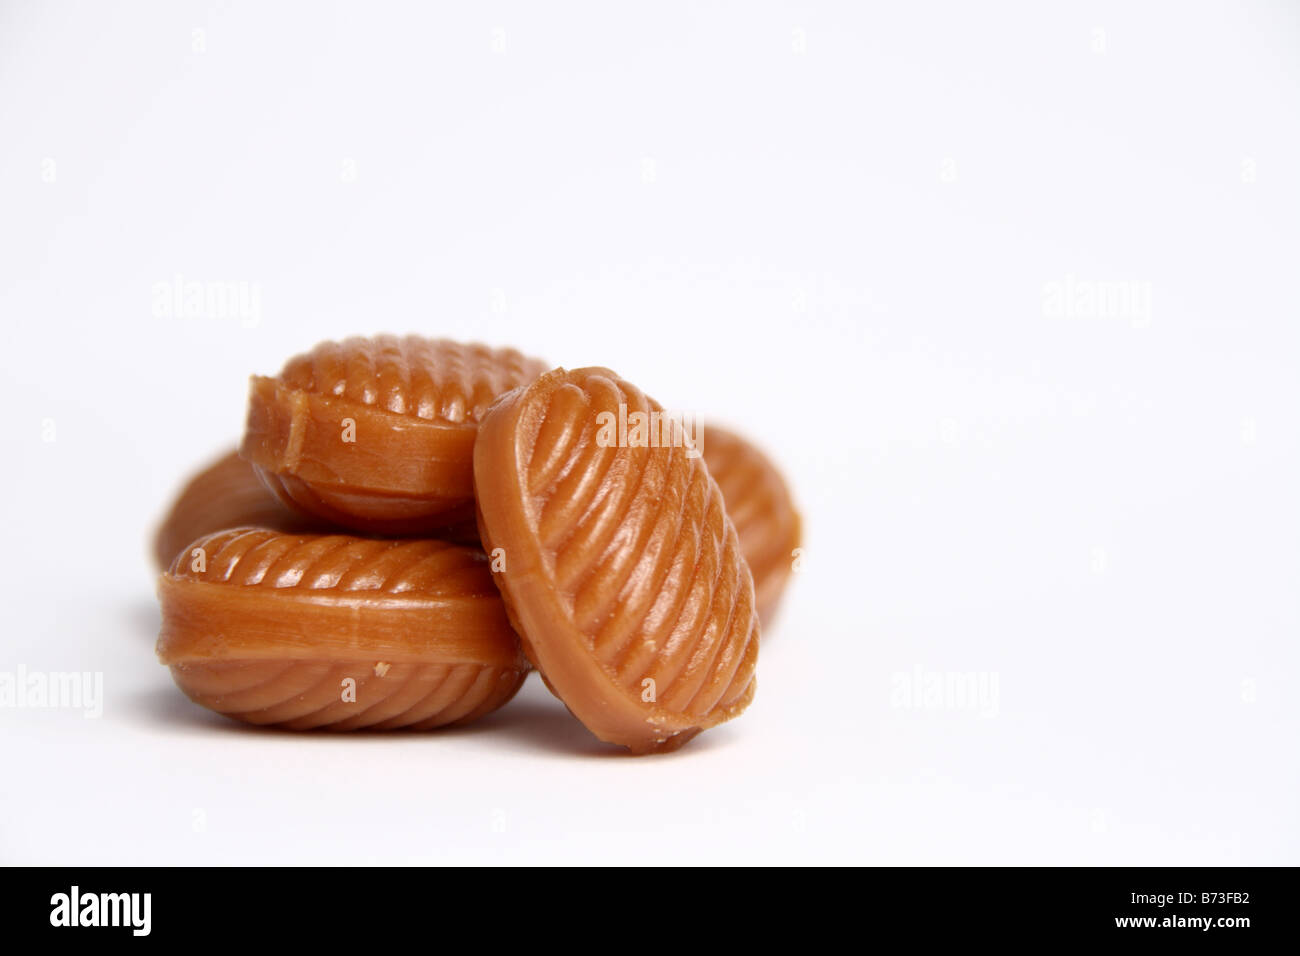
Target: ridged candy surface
<point>759,504</point>
<point>377,434</point>
<point>623,575</point>
<point>225,494</point>
<point>268,628</point>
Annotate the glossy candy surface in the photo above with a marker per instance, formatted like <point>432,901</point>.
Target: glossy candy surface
<point>338,632</point>
<point>225,494</point>
<point>759,504</point>
<point>377,434</point>
<point>622,572</point>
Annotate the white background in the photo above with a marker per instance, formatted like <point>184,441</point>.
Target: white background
<point>835,228</point>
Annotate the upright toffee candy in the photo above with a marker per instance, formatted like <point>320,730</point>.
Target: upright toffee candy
<point>226,494</point>
<point>622,572</point>
<point>304,631</point>
<point>759,505</point>
<point>377,434</point>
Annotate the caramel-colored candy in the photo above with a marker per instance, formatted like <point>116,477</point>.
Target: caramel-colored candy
<point>308,631</point>
<point>378,434</point>
<point>622,572</point>
<point>759,505</point>
<point>225,494</point>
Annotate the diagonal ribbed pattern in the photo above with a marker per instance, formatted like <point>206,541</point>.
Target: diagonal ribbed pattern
<point>256,557</point>
<point>430,379</point>
<point>226,494</point>
<point>310,695</point>
<point>624,573</point>
<point>759,505</point>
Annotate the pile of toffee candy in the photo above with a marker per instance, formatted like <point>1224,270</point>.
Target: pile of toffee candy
<point>410,525</point>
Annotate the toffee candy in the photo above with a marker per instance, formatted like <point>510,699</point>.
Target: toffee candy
<point>622,572</point>
<point>270,628</point>
<point>377,434</point>
<point>225,494</point>
<point>759,505</point>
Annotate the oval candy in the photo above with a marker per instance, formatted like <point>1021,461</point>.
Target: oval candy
<point>760,506</point>
<point>377,434</point>
<point>225,494</point>
<point>305,631</point>
<point>622,573</point>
